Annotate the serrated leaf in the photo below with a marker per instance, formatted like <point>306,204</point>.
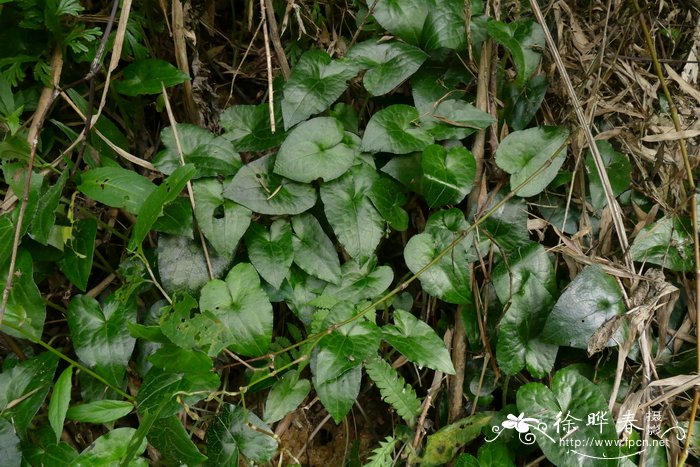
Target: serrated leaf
<point>313,250</point>
<point>417,342</point>
<point>667,242</point>
<point>315,83</point>
<point>388,199</point>
<point>619,171</point>
<point>285,396</point>
<point>152,207</point>
<point>395,130</point>
<point>23,389</point>
<point>232,434</point>
<point>182,266</point>
<point>403,18</point>
<point>382,455</point>
<point>148,76</point>
<point>523,153</point>
<point>574,397</point>
<point>77,260</point>
<point>100,334</point>
<point>243,309</point>
<point>222,221</point>
<point>171,439</point>
<point>25,307</point>
<point>256,187</point>
<point>60,399</point>
<point>248,128</point>
<point>590,300</point>
<point>529,285</point>
<point>394,389</point>
<point>116,187</point>
<point>524,39</point>
<point>315,149</point>
<point>449,278</point>
<point>388,64</point>
<point>212,155</point>
<point>355,221</point>
<point>445,26</point>
<point>109,449</point>
<point>448,174</point>
<point>271,251</point>
<point>103,411</point>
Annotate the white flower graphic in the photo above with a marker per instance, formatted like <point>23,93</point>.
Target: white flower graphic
<point>520,423</point>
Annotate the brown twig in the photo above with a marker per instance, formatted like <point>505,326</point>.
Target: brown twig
<point>270,89</point>
<point>275,37</point>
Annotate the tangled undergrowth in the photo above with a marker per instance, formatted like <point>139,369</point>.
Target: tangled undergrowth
<point>349,233</point>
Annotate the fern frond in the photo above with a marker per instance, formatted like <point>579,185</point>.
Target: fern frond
<point>381,456</point>
<point>394,389</point>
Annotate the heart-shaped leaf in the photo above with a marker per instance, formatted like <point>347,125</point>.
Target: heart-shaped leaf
<point>388,199</point>
<point>242,308</point>
<point>403,18</point>
<point>523,153</point>
<point>315,149</point>
<point>237,431</point>
<point>222,221</point>
<point>148,76</point>
<point>448,174</point>
<point>524,39</point>
<point>667,242</point>
<point>395,130</point>
<point>285,396</point>
<point>337,393</point>
<point>25,307</point>
<point>248,128</point>
<point>313,250</point>
<point>256,187</point>
<point>445,26</point>
<point>619,171</point>
<point>315,83</point>
<point>271,251</point>
<point>388,64</point>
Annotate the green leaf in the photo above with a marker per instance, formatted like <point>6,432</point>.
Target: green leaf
<point>177,360</point>
<point>256,187</point>
<point>507,227</point>
<point>575,397</point>
<point>176,218</point>
<point>346,347</point>
<point>523,101</point>
<point>9,444</point>
<point>445,26</point>
<point>203,330</point>
<point>152,207</point>
<point>524,39</point>
<point>45,216</point>
<point>360,282</point>
<point>181,264</point>
<point>60,400</point>
<point>592,298</point>
<point>171,439</point>
<point>238,431</point>
<point>449,278</point>
<point>271,252</point>
<point>619,172</point>
<point>7,233</point>
<point>461,114</point>
<point>337,394</point>
<point>148,76</point>
<point>315,83</point>
<point>161,391</point>
<point>448,174</point>
<point>667,242</point>
<point>223,222</point>
<point>116,187</point>
<point>109,449</point>
<point>248,128</point>
<point>394,389</point>
<point>23,389</point>
<point>285,396</point>
<point>418,342</point>
<point>388,199</point>
<point>100,335</point>
<point>104,411</point>
<point>242,308</point>
<point>212,156</point>
<point>394,130</point>
<point>529,284</point>
<point>442,445</point>
<point>25,307</point>
<point>524,152</point>
<point>77,262</point>
<point>407,170</point>
<point>382,456</point>
<point>355,221</point>
<point>315,149</point>
<point>313,250</point>
<point>403,18</point>
<point>388,64</point>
